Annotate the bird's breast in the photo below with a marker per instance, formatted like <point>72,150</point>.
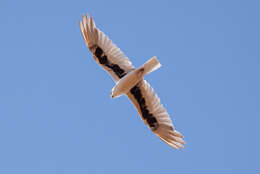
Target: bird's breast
<point>128,82</point>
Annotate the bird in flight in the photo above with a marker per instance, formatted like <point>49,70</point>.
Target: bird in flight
<point>129,81</point>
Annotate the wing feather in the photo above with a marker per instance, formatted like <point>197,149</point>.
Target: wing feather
<point>147,103</point>
<point>105,52</point>
<point>154,114</point>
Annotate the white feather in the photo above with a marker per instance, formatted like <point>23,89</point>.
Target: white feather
<point>93,36</point>
<point>165,129</point>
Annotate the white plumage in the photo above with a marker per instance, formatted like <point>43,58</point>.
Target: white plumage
<point>130,81</point>
<point>126,83</point>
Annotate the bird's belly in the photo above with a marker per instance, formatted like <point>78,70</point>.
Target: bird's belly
<point>129,81</point>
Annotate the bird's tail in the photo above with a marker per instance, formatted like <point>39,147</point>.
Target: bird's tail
<point>151,65</point>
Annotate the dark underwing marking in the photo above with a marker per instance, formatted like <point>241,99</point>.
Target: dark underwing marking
<point>117,70</point>
<point>148,117</point>
<point>98,52</point>
<point>135,91</point>
<point>102,58</point>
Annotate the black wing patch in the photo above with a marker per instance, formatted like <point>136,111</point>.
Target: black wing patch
<point>102,58</point>
<point>135,91</point>
<point>148,117</point>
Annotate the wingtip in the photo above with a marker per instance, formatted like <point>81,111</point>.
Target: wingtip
<point>173,145</point>
<point>172,140</point>
<point>80,23</point>
<point>177,134</point>
<point>82,16</point>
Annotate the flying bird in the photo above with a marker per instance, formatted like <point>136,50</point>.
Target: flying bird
<point>129,81</point>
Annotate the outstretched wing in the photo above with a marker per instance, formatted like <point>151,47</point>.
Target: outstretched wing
<point>154,114</point>
<point>107,54</point>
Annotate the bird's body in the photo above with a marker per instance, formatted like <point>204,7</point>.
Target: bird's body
<point>126,83</point>
<point>130,81</point>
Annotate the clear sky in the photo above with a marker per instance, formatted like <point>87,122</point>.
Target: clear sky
<point>56,114</point>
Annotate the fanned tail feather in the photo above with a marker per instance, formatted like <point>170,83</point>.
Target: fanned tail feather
<point>151,65</point>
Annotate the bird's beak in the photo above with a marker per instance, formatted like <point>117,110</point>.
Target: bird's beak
<point>111,95</point>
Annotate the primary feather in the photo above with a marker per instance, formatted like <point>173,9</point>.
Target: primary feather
<point>147,103</point>
<point>107,54</point>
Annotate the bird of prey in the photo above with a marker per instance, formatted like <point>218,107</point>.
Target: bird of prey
<point>129,81</point>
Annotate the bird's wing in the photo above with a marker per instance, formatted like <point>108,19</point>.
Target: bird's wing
<point>107,54</point>
<point>154,114</point>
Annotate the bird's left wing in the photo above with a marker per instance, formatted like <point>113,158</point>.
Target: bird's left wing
<point>154,114</point>
<point>106,54</point>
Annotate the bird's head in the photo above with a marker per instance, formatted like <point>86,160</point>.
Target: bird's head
<point>115,92</point>
<point>112,95</point>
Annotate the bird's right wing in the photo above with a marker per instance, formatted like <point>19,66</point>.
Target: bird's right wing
<point>154,114</point>
<point>106,54</point>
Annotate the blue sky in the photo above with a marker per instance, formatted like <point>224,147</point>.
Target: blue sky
<point>56,114</point>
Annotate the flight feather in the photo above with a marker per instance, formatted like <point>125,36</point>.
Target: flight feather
<point>144,98</point>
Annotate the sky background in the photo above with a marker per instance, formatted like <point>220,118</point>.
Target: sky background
<point>56,114</point>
